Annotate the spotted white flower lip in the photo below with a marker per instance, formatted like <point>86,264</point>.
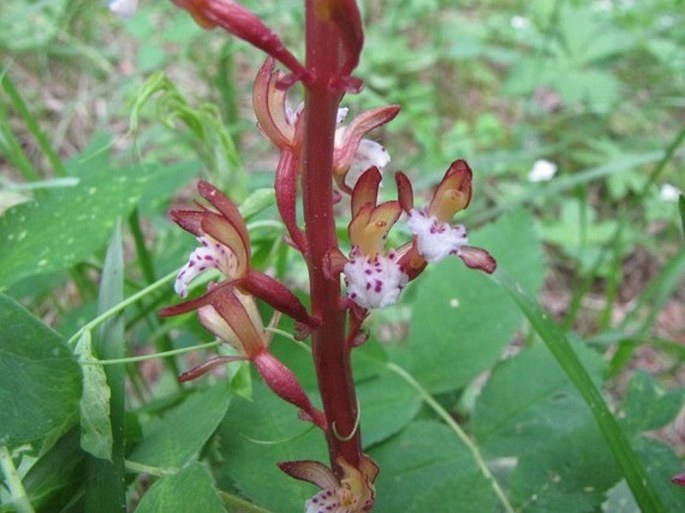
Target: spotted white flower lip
<point>434,237</point>
<point>436,240</point>
<point>374,282</point>
<point>210,255</point>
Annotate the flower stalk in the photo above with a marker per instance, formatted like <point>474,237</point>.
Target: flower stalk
<point>331,353</point>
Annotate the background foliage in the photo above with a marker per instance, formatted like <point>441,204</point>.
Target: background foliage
<point>105,124</point>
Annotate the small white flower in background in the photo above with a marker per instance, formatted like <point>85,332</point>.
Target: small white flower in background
<point>123,8</point>
<point>519,22</point>
<point>543,170</point>
<point>669,193</point>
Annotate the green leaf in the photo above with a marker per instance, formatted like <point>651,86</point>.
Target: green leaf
<point>528,402</point>
<point>648,406</point>
<point>189,491</point>
<point>461,320</point>
<point>569,475</point>
<point>96,428</point>
<point>254,437</point>
<point>388,403</point>
<point>681,208</point>
<point>427,468</point>
<point>172,441</point>
<point>46,488</point>
<point>631,467</point>
<point>40,380</point>
<point>105,483</point>
<point>65,226</point>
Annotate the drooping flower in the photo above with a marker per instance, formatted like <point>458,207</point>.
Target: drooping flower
<point>434,237</point>
<point>228,308</point>
<point>374,279</point>
<point>225,246</point>
<point>353,493</point>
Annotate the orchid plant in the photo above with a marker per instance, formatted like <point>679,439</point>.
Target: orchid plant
<point>328,162</point>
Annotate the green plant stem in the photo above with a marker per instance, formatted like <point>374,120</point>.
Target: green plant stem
<point>555,340</point>
<point>146,265</point>
<point>13,481</point>
<point>444,415</point>
<point>142,358</point>
<point>236,503</point>
<point>108,314</point>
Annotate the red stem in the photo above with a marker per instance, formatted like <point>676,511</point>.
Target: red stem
<point>331,353</point>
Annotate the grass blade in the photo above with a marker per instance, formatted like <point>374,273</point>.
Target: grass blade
<point>105,488</point>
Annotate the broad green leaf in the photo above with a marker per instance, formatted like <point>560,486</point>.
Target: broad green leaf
<point>568,475</point>
<point>172,441</point>
<point>427,468</point>
<point>387,403</point>
<point>96,428</point>
<point>648,406</point>
<point>189,491</point>
<point>528,402</point>
<point>68,224</point>
<point>461,320</point>
<point>47,488</point>
<point>661,464</point>
<point>257,434</point>
<point>40,380</point>
<point>555,340</point>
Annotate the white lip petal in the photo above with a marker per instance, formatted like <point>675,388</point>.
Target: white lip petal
<point>369,153</point>
<point>123,8</point>
<point>374,283</point>
<point>435,240</point>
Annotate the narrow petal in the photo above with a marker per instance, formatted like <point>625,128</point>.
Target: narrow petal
<point>231,309</point>
<point>269,104</point>
<point>366,189</point>
<point>405,192</point>
<point>477,258</point>
<point>225,233</point>
<point>355,131</point>
<point>286,197</point>
<point>239,21</point>
<point>277,295</point>
<point>189,220</point>
<point>453,193</point>
<point>311,471</point>
<point>227,208</point>
<point>207,366</point>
